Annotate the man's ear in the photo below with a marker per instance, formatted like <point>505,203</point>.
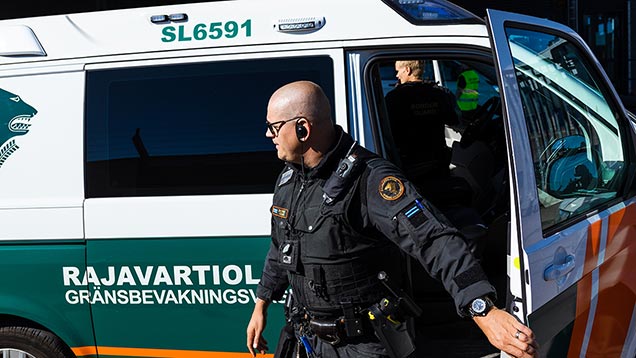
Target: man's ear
<point>303,129</point>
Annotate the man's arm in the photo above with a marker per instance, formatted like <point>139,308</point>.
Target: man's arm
<point>271,287</point>
<point>274,280</point>
<point>395,208</point>
<point>255,340</point>
<point>419,230</point>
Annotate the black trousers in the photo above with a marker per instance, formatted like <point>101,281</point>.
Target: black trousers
<point>368,349</point>
<point>290,347</point>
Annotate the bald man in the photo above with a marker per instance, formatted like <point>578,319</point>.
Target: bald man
<point>341,215</point>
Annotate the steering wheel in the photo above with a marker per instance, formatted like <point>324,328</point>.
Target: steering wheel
<point>482,117</point>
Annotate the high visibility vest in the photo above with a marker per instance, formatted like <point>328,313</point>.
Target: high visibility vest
<point>469,96</point>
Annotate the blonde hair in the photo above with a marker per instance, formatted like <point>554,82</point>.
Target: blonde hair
<point>416,66</point>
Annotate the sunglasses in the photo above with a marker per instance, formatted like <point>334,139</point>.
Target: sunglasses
<point>275,127</point>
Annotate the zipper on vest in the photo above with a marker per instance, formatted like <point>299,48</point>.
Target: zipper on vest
<point>294,206</point>
<point>300,192</point>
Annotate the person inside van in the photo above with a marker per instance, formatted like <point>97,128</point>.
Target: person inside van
<point>341,219</point>
<point>418,111</point>
<point>467,92</point>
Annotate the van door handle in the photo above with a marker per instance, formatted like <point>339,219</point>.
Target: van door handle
<point>556,271</point>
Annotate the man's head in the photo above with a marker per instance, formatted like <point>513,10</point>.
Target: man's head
<point>299,115</point>
<point>409,70</point>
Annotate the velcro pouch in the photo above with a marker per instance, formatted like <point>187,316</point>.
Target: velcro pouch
<point>288,255</point>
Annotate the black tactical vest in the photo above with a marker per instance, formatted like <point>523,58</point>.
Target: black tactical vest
<point>331,265</point>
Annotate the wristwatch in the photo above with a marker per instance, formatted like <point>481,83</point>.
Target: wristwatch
<point>480,306</point>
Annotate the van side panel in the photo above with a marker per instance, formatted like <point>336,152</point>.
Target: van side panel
<point>185,294</point>
<point>41,197</point>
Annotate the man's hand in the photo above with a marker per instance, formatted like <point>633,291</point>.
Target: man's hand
<point>506,333</point>
<point>255,340</point>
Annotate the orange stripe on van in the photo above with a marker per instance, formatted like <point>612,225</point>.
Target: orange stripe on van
<point>622,230</point>
<point>617,287</point>
<point>593,247</point>
<point>583,294</point>
<point>85,351</point>
<point>584,290</point>
<point>158,353</point>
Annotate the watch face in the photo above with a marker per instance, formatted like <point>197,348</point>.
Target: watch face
<point>478,305</point>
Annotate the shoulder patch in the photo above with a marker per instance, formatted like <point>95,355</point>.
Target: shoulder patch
<point>280,212</point>
<point>285,177</point>
<point>391,188</point>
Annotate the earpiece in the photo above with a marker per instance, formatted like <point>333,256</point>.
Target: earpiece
<point>301,131</point>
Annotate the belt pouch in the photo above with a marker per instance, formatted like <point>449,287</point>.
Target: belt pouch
<point>286,343</point>
<point>395,337</point>
<point>352,322</point>
<point>327,330</point>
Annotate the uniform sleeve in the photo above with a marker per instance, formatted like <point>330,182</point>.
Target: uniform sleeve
<point>396,209</point>
<point>274,280</point>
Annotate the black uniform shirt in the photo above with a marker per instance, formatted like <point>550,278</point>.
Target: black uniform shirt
<point>418,112</point>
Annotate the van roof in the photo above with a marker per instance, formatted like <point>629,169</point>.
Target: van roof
<point>227,23</point>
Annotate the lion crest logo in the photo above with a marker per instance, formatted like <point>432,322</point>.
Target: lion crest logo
<point>391,188</point>
<point>15,121</point>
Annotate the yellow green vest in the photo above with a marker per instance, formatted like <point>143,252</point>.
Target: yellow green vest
<point>468,98</point>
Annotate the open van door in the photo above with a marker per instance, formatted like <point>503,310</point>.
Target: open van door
<point>573,220</point>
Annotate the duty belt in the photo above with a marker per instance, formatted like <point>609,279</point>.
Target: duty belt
<point>338,330</point>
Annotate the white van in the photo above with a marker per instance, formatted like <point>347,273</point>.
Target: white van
<point>136,178</point>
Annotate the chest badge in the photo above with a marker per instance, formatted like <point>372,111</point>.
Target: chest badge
<point>285,177</point>
<point>280,212</point>
<point>391,188</point>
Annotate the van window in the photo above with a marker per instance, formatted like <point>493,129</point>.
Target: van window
<point>575,138</point>
<point>188,129</point>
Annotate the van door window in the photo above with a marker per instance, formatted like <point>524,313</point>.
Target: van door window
<point>575,138</point>
<point>187,129</point>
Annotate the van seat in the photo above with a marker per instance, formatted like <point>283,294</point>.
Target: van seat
<point>475,164</point>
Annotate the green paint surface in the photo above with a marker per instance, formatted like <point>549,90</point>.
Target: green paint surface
<point>163,273</point>
<point>32,289</point>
